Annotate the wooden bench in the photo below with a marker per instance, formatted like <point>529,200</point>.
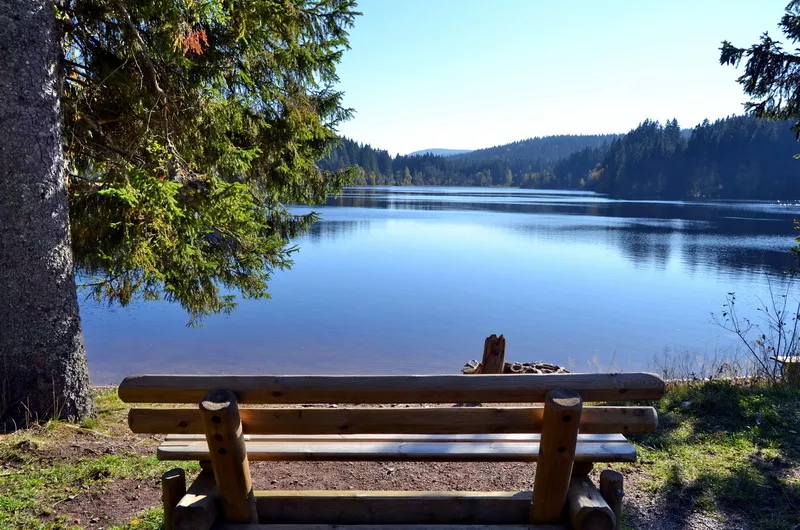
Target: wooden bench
<point>563,436</point>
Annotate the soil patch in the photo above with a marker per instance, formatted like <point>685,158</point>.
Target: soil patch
<point>115,502</point>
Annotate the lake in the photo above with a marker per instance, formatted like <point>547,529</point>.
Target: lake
<point>411,280</point>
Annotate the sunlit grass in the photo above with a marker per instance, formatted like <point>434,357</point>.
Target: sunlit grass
<point>725,449</point>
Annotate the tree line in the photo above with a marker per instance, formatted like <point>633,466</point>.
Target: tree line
<point>516,164</point>
<point>738,157</point>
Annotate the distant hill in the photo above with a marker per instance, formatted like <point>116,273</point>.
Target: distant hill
<point>734,158</point>
<point>440,152</point>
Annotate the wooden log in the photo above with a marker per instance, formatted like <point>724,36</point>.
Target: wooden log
<point>525,438</point>
<point>393,507</point>
<point>388,527</point>
<point>612,488</point>
<point>197,510</point>
<point>505,388</point>
<point>228,456</point>
<point>562,413</point>
<point>454,420</point>
<point>586,507</point>
<point>173,488</point>
<point>494,355</point>
<point>385,451</point>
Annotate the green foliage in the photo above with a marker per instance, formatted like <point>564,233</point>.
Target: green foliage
<point>770,74</point>
<point>189,125</point>
<point>152,519</point>
<point>727,450</point>
<point>739,157</point>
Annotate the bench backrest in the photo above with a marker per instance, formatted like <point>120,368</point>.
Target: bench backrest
<point>413,389</point>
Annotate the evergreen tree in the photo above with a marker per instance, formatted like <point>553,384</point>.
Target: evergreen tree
<point>187,128</point>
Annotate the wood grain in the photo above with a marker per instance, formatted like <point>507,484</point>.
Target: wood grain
<point>198,509</point>
<point>586,507</point>
<point>393,507</point>
<point>173,488</point>
<point>494,355</point>
<point>228,455</point>
<point>513,437</point>
<point>402,451</point>
<point>612,489</point>
<point>557,452</point>
<point>452,420</point>
<point>505,388</point>
<point>388,527</point>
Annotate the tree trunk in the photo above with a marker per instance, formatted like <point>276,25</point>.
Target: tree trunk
<point>43,371</point>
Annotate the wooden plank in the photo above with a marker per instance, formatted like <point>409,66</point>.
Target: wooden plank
<point>227,526</point>
<point>403,451</point>
<point>612,489</point>
<point>504,388</point>
<point>557,451</point>
<point>179,439</point>
<point>393,507</point>
<point>173,488</point>
<point>198,509</point>
<point>494,355</point>
<point>586,507</point>
<point>482,420</point>
<point>226,450</point>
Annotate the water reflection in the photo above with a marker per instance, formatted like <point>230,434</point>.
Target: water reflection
<point>402,280</point>
<point>738,236</point>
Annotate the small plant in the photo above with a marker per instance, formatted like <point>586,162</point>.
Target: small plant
<point>774,336</point>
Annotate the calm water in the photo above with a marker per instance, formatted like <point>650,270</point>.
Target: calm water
<point>411,280</point>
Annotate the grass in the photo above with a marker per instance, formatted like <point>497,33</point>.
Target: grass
<point>33,482</point>
<point>729,451</point>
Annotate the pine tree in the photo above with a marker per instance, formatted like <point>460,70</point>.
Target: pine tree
<point>187,128</point>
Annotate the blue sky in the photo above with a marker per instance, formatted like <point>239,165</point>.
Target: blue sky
<point>476,73</point>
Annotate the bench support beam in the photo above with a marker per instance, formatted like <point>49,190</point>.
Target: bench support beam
<point>229,456</point>
<point>586,507</point>
<point>173,488</point>
<point>197,510</point>
<point>562,416</point>
<point>612,489</point>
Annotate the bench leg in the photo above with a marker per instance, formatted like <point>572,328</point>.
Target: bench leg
<point>198,510</point>
<point>612,489</point>
<point>586,507</point>
<point>229,456</point>
<point>173,488</point>
<point>562,416</point>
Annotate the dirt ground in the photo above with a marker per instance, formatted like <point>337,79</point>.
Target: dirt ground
<point>120,501</point>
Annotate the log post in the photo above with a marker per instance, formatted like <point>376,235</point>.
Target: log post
<point>228,454</point>
<point>173,488</point>
<point>494,355</point>
<point>612,489</point>
<point>197,510</point>
<point>562,415</point>
<point>586,507</point>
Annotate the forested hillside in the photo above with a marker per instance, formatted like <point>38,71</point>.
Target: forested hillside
<point>517,164</point>
<point>733,158</point>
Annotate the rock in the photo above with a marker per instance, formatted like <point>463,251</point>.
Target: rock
<point>536,367</point>
<point>686,404</point>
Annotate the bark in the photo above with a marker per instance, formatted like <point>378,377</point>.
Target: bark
<point>43,371</point>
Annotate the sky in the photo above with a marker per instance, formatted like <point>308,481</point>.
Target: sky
<point>466,74</point>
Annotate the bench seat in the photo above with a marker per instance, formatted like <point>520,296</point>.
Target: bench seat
<point>402,447</point>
